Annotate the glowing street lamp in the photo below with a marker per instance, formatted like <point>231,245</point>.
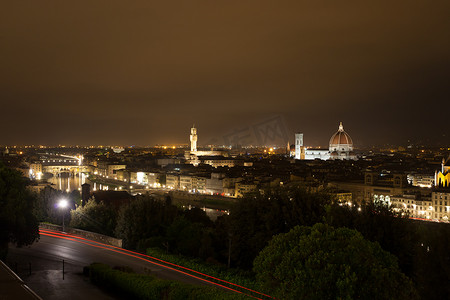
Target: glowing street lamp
<point>63,204</point>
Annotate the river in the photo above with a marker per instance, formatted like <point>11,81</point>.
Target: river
<point>68,184</point>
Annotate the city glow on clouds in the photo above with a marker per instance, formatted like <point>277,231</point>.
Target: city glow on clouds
<point>139,73</point>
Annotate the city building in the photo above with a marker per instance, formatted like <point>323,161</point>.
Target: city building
<point>441,193</point>
<point>376,187</point>
<point>440,199</point>
<point>104,168</point>
<point>218,161</point>
<point>421,180</point>
<point>192,156</point>
<point>244,187</point>
<point>342,197</point>
<point>215,184</point>
<point>186,183</point>
<point>192,183</point>
<point>193,139</point>
<point>416,205</point>
<point>173,181</point>
<point>199,184</point>
<point>299,148</point>
<point>111,170</point>
<point>36,170</point>
<point>165,161</point>
<point>340,147</point>
<point>442,177</point>
<point>317,153</point>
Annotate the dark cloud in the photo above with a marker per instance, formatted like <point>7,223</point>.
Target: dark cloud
<point>142,72</point>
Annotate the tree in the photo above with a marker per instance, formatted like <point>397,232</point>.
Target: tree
<point>47,210</point>
<point>256,218</point>
<point>143,218</point>
<point>321,262</point>
<point>432,260</point>
<point>18,225</point>
<point>184,236</point>
<point>378,223</point>
<point>96,217</point>
<point>197,215</point>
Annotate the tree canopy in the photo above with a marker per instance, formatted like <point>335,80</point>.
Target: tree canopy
<point>47,209</point>
<point>321,262</point>
<point>143,218</point>
<point>96,217</point>
<point>256,218</point>
<point>18,224</point>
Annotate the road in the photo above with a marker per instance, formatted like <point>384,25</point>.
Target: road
<point>45,259</point>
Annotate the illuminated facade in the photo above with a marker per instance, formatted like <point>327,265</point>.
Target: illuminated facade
<point>299,148</point>
<point>415,205</point>
<point>195,184</point>
<point>441,194</point>
<point>192,156</point>
<point>322,154</point>
<point>145,178</point>
<point>193,139</point>
<point>421,180</point>
<point>118,149</point>
<point>36,171</point>
<point>173,181</point>
<point>218,161</point>
<point>111,170</point>
<point>242,188</point>
<point>442,177</point>
<point>215,184</point>
<point>441,205</point>
<point>340,147</point>
<point>375,187</point>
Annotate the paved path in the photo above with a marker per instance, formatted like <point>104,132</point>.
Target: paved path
<point>47,255</point>
<point>46,279</point>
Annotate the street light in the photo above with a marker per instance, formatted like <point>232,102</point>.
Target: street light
<point>63,204</point>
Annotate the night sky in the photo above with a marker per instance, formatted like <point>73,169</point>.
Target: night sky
<point>142,72</point>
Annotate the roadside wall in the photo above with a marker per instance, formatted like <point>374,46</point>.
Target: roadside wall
<point>86,234</point>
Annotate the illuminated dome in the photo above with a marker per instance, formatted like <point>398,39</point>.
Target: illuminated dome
<point>341,141</point>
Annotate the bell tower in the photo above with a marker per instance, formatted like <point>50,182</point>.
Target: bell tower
<point>193,139</point>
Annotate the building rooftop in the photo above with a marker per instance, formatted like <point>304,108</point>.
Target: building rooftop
<point>341,137</point>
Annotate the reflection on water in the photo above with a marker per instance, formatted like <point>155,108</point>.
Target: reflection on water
<point>213,214</point>
<point>68,183</point>
<point>100,187</point>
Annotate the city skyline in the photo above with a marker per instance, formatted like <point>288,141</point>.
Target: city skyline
<point>271,132</point>
<point>142,73</point>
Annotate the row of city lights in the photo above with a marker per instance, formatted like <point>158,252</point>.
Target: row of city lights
<point>153,185</point>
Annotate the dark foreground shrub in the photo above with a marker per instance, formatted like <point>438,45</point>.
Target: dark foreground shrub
<point>139,286</point>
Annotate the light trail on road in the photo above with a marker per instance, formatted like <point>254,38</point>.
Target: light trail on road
<point>159,263</point>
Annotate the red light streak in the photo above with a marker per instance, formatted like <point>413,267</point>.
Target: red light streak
<point>125,250</point>
<point>135,255</point>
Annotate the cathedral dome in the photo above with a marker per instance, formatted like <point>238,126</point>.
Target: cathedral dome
<point>341,141</point>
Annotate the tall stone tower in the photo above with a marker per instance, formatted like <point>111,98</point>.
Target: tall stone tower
<point>299,148</point>
<point>193,139</point>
